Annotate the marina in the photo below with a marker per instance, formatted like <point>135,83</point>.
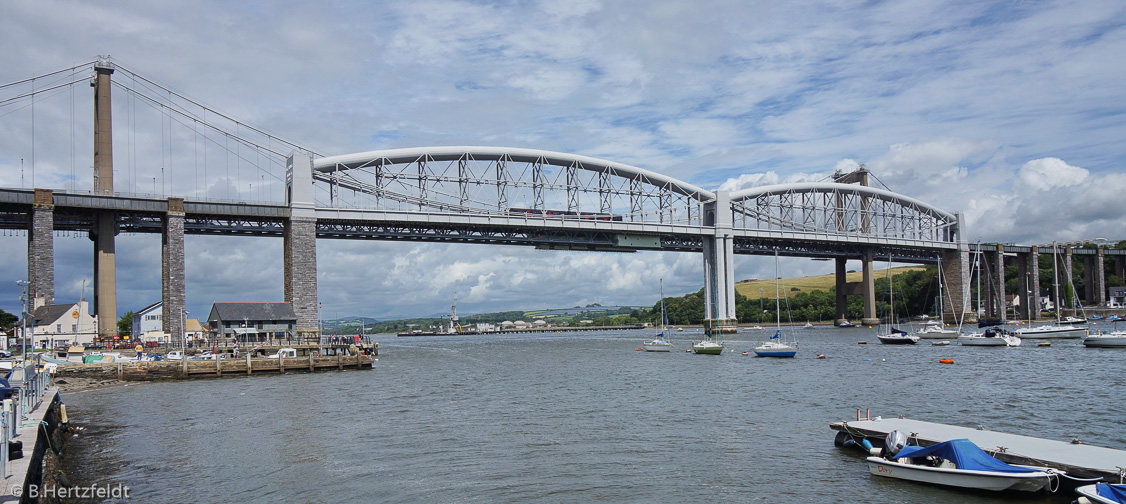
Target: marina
<point>599,420</point>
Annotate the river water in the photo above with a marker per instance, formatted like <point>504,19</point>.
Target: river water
<point>581,417</point>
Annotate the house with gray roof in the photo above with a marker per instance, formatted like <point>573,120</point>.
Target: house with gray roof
<point>60,325</point>
<point>252,322</point>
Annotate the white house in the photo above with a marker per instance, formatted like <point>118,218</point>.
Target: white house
<point>148,319</point>
<point>56,325</point>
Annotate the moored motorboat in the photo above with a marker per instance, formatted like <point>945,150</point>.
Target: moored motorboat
<point>957,463</point>
<point>1113,339</point>
<point>1101,493</point>
<point>845,323</point>
<point>993,336</point>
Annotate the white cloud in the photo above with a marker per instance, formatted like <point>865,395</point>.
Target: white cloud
<point>1050,173</point>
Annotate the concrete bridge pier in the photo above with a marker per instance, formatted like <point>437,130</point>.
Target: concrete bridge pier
<point>172,296</point>
<point>300,244</point>
<point>866,288</point>
<point>956,288</point>
<point>868,291</point>
<point>41,250</point>
<point>719,267</point>
<point>105,263</point>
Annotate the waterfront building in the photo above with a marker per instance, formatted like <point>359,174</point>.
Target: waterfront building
<point>252,322</point>
<point>148,319</point>
<point>60,325</point>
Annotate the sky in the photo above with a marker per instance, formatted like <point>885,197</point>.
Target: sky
<point>1011,112</point>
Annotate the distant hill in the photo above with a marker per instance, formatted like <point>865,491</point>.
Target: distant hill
<point>792,286</point>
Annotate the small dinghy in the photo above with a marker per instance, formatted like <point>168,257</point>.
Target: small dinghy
<point>956,463</point>
<point>1101,493</point>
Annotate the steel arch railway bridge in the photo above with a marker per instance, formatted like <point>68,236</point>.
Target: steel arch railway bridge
<point>492,195</point>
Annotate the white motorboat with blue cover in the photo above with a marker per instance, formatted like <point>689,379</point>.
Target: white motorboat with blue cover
<point>957,463</point>
<point>1101,493</point>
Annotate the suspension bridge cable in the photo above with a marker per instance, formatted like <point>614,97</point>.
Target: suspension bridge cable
<point>225,116</point>
<point>88,63</point>
<point>157,104</point>
<point>38,91</point>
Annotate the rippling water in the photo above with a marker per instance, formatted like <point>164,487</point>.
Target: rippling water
<point>581,417</point>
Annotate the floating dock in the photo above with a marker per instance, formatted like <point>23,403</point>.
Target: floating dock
<point>1081,460</point>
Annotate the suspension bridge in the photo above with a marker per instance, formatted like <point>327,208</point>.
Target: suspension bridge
<point>452,194</point>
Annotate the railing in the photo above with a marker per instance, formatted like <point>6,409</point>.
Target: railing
<point>27,396</point>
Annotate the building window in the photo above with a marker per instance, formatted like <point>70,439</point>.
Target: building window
<point>58,328</point>
<point>74,328</point>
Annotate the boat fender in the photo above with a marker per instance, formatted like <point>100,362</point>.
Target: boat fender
<point>866,444</point>
<point>62,414</point>
<point>821,356</point>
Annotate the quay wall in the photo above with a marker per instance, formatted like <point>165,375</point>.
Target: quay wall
<point>178,370</point>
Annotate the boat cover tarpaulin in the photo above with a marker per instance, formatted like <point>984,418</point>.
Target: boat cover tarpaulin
<point>964,454</point>
<point>1116,493</point>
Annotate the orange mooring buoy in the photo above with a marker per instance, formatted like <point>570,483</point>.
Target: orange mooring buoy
<point>946,361</point>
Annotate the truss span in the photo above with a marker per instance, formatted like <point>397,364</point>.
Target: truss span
<point>841,210</point>
<point>499,180</point>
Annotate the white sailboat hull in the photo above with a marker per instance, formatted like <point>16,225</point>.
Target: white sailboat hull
<point>980,340</point>
<point>1116,339</point>
<point>774,349</point>
<point>654,346</point>
<point>1052,332</point>
<point>931,333</point>
<point>961,478</point>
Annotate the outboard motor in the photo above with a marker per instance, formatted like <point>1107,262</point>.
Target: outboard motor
<point>893,443</point>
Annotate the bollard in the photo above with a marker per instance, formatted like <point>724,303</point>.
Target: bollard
<point>247,363</point>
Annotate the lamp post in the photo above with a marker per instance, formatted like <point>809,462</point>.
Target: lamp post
<point>25,316</point>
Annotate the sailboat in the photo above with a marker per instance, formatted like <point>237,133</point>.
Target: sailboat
<point>894,336</point>
<point>937,329</point>
<point>1060,330</point>
<point>661,342</point>
<point>775,347</point>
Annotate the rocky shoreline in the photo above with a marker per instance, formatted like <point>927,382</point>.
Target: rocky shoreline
<point>78,383</point>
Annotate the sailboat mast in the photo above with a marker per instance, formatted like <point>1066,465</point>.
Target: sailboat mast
<point>1056,283</point>
<point>777,294</point>
<point>664,316</point>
